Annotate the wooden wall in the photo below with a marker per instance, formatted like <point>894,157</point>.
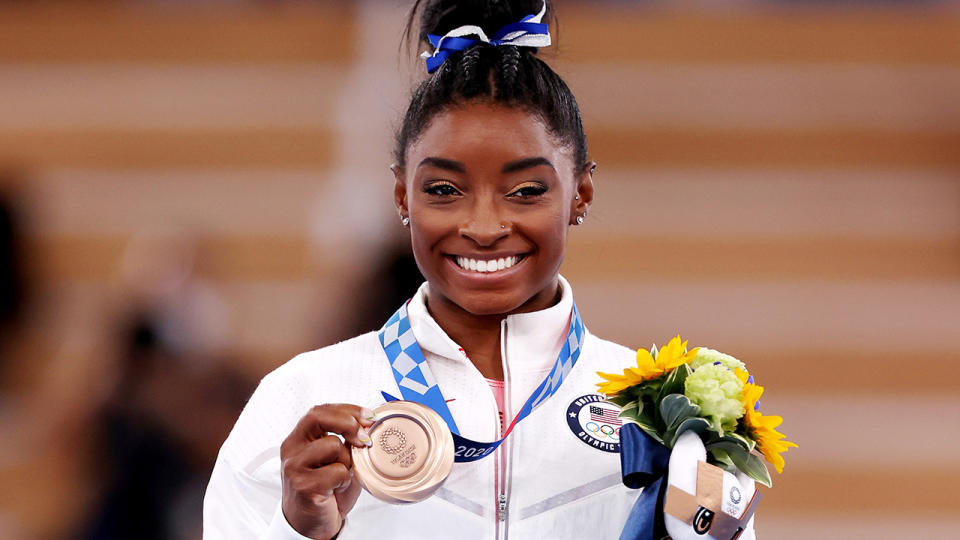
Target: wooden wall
<point>781,183</point>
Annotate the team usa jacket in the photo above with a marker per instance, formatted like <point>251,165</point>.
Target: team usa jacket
<point>556,476</point>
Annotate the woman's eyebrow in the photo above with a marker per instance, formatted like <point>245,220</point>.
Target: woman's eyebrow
<point>442,163</point>
<point>526,163</point>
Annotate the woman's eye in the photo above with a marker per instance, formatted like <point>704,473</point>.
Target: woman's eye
<point>440,190</point>
<point>531,190</point>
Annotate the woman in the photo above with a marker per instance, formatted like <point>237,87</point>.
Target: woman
<point>491,171</point>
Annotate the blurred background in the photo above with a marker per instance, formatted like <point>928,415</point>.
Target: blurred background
<point>192,192</point>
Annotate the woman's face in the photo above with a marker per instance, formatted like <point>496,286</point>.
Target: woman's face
<point>490,195</point>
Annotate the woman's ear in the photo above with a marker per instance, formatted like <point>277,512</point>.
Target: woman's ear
<point>400,191</point>
<point>583,197</point>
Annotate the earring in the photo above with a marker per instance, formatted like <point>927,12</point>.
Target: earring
<point>577,198</point>
<point>405,221</point>
<point>503,226</point>
<point>579,220</point>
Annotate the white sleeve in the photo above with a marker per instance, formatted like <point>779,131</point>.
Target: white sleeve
<point>229,515</point>
<point>280,529</point>
<point>242,501</point>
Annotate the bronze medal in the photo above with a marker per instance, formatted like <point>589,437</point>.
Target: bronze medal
<point>411,456</point>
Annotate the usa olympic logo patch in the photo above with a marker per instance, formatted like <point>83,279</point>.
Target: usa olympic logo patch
<point>595,422</point>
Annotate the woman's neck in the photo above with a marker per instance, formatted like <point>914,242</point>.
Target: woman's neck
<point>479,335</point>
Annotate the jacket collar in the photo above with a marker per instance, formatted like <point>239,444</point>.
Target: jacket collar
<point>533,339</point>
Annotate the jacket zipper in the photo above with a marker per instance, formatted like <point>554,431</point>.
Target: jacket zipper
<point>502,479</point>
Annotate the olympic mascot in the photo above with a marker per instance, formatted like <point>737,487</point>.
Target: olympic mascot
<point>704,502</point>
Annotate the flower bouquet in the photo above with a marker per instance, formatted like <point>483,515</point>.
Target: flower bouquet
<point>707,403</point>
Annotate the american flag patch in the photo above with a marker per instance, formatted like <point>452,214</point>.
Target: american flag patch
<point>607,416</point>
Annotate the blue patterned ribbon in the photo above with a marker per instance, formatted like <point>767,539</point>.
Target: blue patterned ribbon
<point>528,32</point>
<point>416,381</point>
<point>643,464</point>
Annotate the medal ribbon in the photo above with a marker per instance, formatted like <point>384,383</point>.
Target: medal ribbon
<point>416,382</point>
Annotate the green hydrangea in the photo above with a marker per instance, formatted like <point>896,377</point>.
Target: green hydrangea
<point>709,356</point>
<point>718,392</point>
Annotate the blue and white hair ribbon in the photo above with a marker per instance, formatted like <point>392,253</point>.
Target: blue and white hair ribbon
<point>528,32</point>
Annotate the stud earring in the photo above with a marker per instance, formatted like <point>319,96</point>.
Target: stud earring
<point>579,220</point>
<point>503,226</point>
<point>405,221</point>
<point>577,198</point>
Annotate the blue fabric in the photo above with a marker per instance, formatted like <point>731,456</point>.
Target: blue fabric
<point>643,464</point>
<point>527,34</point>
<point>410,367</point>
<point>450,46</point>
<point>528,27</point>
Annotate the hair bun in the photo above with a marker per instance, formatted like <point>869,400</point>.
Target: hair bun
<point>505,74</point>
<point>441,16</point>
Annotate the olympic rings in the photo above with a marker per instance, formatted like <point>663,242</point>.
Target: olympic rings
<point>601,433</point>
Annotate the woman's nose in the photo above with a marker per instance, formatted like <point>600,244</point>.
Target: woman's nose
<point>484,225</point>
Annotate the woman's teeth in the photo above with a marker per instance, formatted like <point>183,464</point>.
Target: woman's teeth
<point>484,265</point>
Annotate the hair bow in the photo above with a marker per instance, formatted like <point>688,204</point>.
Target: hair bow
<point>528,32</point>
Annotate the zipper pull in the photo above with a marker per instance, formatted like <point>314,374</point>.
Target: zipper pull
<point>502,507</point>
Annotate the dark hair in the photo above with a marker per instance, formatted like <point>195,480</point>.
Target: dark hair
<point>507,75</point>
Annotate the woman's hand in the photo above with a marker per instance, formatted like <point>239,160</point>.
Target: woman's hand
<point>317,470</point>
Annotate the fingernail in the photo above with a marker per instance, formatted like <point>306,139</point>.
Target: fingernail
<point>364,437</point>
<point>367,414</point>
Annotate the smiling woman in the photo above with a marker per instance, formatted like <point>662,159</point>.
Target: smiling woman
<point>483,184</point>
<point>491,170</point>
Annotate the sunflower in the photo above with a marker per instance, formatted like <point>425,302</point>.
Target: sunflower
<point>649,367</point>
<point>763,428</point>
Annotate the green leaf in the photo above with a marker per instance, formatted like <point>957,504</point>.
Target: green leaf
<point>717,432</point>
<point>674,382</point>
<point>728,445</point>
<point>651,431</point>
<point>753,467</point>
<point>630,410</point>
<point>720,458</point>
<point>733,438</point>
<point>745,461</point>
<point>649,421</point>
<point>709,436</point>
<point>636,391</point>
<point>621,399</point>
<point>695,424</point>
<point>648,415</point>
<point>747,443</point>
<point>651,387</point>
<point>675,408</point>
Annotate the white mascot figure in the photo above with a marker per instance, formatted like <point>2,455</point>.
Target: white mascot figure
<point>704,502</point>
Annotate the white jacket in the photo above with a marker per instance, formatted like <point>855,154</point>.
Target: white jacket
<point>562,480</point>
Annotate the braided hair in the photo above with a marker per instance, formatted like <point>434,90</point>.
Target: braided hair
<point>507,75</point>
